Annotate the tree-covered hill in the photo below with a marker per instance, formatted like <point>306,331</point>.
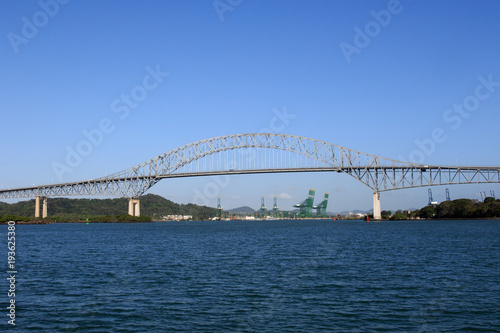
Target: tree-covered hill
<point>242,210</point>
<point>151,205</point>
<point>462,208</point>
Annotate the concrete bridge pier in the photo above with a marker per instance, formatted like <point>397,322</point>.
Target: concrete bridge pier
<point>134,207</point>
<point>376,206</point>
<point>44,207</point>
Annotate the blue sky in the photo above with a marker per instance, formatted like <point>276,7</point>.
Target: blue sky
<point>224,67</point>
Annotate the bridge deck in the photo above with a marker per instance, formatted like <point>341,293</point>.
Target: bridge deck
<point>79,187</point>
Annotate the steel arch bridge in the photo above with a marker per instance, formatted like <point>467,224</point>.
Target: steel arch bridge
<point>263,153</point>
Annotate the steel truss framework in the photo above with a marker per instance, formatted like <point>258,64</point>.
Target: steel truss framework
<point>249,155</point>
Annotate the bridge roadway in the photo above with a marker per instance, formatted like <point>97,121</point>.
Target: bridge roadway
<point>68,188</point>
<point>378,173</point>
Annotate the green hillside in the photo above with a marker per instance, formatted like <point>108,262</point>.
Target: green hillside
<point>462,208</point>
<point>152,205</point>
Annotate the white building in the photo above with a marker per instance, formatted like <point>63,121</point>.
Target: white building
<point>178,217</point>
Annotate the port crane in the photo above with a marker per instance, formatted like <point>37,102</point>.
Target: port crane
<point>306,206</point>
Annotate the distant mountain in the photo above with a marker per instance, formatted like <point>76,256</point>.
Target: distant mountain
<point>242,210</point>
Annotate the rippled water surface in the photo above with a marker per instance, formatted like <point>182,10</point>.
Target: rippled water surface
<point>275,276</point>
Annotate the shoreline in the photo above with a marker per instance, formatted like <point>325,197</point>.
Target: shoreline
<point>39,222</point>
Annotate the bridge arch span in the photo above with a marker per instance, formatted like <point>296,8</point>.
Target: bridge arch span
<point>319,156</point>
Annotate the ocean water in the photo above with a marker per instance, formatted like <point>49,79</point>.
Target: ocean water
<point>274,276</point>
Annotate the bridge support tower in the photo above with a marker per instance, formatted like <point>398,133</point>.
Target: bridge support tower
<point>44,207</point>
<point>376,206</point>
<point>134,207</point>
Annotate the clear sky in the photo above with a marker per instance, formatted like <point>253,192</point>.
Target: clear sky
<point>375,76</point>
